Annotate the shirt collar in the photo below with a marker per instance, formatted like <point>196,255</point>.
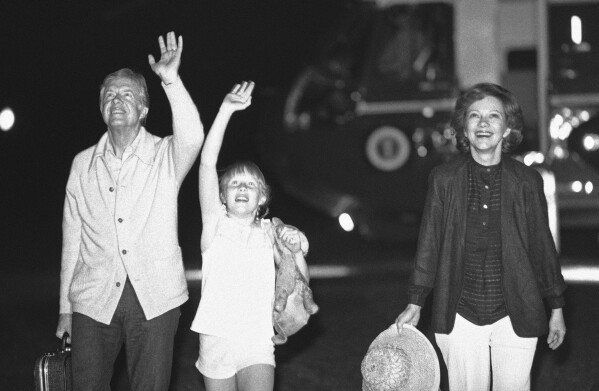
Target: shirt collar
<point>142,146</point>
<point>477,167</point>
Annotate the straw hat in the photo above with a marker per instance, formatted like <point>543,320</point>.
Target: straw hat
<point>401,361</point>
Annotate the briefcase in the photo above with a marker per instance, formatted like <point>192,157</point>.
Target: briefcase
<point>53,371</point>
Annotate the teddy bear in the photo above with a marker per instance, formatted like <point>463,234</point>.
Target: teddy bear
<point>294,303</point>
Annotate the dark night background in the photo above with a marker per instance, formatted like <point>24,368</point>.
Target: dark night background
<point>53,58</point>
<point>55,55</point>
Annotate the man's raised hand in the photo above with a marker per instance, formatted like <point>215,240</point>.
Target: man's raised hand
<point>167,68</point>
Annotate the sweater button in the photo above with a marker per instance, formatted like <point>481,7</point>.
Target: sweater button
<point>111,189</point>
<point>118,284</point>
<point>120,220</point>
<point>124,252</point>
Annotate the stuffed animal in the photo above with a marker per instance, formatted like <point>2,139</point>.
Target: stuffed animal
<point>293,297</point>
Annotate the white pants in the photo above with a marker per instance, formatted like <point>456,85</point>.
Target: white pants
<point>473,352</point>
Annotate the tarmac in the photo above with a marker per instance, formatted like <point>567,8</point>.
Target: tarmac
<point>360,288</point>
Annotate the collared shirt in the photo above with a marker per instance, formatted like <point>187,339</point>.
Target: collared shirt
<point>113,162</point>
<point>482,299</point>
<point>120,219</point>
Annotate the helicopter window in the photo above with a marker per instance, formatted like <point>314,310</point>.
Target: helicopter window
<point>413,49</point>
<point>342,55</point>
<point>406,49</point>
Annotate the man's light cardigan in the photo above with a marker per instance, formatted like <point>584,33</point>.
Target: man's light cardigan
<point>123,222</point>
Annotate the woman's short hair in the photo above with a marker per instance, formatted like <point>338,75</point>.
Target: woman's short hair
<point>252,169</point>
<point>136,78</point>
<point>512,109</point>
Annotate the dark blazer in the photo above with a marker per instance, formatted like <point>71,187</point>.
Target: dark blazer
<point>531,270</point>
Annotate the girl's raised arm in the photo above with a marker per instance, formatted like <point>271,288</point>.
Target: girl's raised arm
<point>238,99</point>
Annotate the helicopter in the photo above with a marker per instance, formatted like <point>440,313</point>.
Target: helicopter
<point>361,127</point>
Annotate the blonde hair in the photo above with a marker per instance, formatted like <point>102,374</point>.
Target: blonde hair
<point>252,169</point>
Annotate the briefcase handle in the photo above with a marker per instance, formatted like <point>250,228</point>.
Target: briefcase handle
<point>65,347</point>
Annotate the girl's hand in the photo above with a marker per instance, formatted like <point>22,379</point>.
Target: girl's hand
<point>291,238</point>
<point>239,98</point>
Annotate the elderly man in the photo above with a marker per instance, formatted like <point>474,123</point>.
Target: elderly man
<point>122,276</point>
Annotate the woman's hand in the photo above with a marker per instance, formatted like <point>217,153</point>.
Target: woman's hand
<point>411,315</point>
<point>557,329</point>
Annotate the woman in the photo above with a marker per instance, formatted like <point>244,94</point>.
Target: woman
<point>486,251</point>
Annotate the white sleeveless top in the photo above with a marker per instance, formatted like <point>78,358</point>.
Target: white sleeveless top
<point>238,283</point>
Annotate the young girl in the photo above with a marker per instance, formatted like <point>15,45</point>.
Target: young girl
<point>234,317</point>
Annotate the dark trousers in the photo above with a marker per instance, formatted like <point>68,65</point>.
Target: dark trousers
<point>148,347</point>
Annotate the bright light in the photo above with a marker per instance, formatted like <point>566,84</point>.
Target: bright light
<point>554,125</point>
<point>549,187</point>
<point>316,272</point>
<point>193,275</point>
<point>576,186</point>
<point>422,151</point>
<point>428,112</point>
<point>567,112</point>
<point>7,119</point>
<point>533,157</point>
<point>576,27</point>
<point>584,115</point>
<point>346,222</point>
<point>331,271</point>
<point>581,274</point>
<point>559,152</point>
<point>588,187</point>
<point>565,130</point>
<point>590,142</point>
<point>588,274</point>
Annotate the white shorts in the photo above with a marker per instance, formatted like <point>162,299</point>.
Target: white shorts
<point>222,358</point>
